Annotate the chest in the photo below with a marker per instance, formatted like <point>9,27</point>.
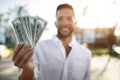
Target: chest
<point>56,59</point>
<point>53,62</point>
<point>74,66</point>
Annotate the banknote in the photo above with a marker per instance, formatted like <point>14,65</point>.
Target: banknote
<point>28,29</point>
<point>32,24</point>
<point>20,32</point>
<point>41,24</point>
<point>23,31</point>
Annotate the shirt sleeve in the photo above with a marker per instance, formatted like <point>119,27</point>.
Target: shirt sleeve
<point>88,72</point>
<point>36,63</point>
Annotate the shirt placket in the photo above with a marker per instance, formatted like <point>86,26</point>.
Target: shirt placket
<point>66,62</point>
<point>67,67</point>
<point>62,50</point>
<point>65,71</point>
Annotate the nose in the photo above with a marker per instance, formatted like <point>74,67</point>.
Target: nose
<point>65,22</point>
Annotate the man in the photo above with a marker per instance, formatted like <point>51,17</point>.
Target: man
<point>59,58</point>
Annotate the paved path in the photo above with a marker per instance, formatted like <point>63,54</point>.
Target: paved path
<point>7,70</point>
<point>111,72</point>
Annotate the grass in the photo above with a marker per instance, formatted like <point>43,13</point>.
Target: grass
<point>99,51</point>
<point>11,51</point>
<point>103,51</point>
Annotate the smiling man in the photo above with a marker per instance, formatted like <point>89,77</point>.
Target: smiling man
<point>59,58</point>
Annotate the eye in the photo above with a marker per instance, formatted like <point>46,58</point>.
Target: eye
<point>60,19</point>
<point>69,18</point>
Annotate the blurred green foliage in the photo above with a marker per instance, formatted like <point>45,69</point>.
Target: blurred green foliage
<point>11,51</point>
<point>103,51</point>
<point>11,48</point>
<point>99,51</point>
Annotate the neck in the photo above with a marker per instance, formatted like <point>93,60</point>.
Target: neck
<point>65,40</point>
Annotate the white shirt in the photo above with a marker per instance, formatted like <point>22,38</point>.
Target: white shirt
<point>51,63</point>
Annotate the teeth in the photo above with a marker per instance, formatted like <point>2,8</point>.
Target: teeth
<point>65,29</point>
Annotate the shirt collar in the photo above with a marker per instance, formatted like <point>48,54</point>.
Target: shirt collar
<point>57,41</point>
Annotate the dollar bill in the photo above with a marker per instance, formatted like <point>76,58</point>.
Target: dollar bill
<point>41,24</point>
<point>28,29</point>
<point>32,21</point>
<point>24,31</point>
<point>20,33</point>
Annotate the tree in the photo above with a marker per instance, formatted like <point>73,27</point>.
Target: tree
<point>1,18</point>
<point>18,11</point>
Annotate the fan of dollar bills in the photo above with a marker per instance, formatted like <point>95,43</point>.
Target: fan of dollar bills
<point>28,29</point>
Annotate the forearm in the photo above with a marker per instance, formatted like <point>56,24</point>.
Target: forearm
<point>27,75</point>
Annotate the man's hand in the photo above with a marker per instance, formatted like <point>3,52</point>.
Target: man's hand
<point>23,55</point>
<point>23,59</point>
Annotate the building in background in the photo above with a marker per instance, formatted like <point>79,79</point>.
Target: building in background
<point>2,35</point>
<point>7,35</point>
<point>97,37</point>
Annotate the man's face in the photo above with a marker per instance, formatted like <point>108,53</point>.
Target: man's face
<point>65,22</point>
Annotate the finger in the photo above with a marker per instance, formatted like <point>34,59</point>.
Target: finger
<point>25,64</point>
<point>30,58</point>
<point>26,56</point>
<point>18,61</point>
<point>28,61</point>
<point>18,46</point>
<point>17,49</point>
<point>21,53</point>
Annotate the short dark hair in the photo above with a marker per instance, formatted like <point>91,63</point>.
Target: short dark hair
<point>65,5</point>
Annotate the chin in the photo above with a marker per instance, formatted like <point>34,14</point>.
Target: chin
<point>64,34</point>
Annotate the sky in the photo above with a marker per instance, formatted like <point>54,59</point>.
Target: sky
<point>7,4</point>
<point>99,13</point>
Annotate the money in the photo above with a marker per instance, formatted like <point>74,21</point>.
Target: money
<point>28,29</point>
<point>39,28</point>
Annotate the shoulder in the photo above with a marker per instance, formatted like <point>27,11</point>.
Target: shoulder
<point>44,42</point>
<point>83,50</point>
<point>42,46</point>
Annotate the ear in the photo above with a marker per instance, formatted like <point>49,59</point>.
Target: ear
<point>55,24</point>
<point>75,23</point>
